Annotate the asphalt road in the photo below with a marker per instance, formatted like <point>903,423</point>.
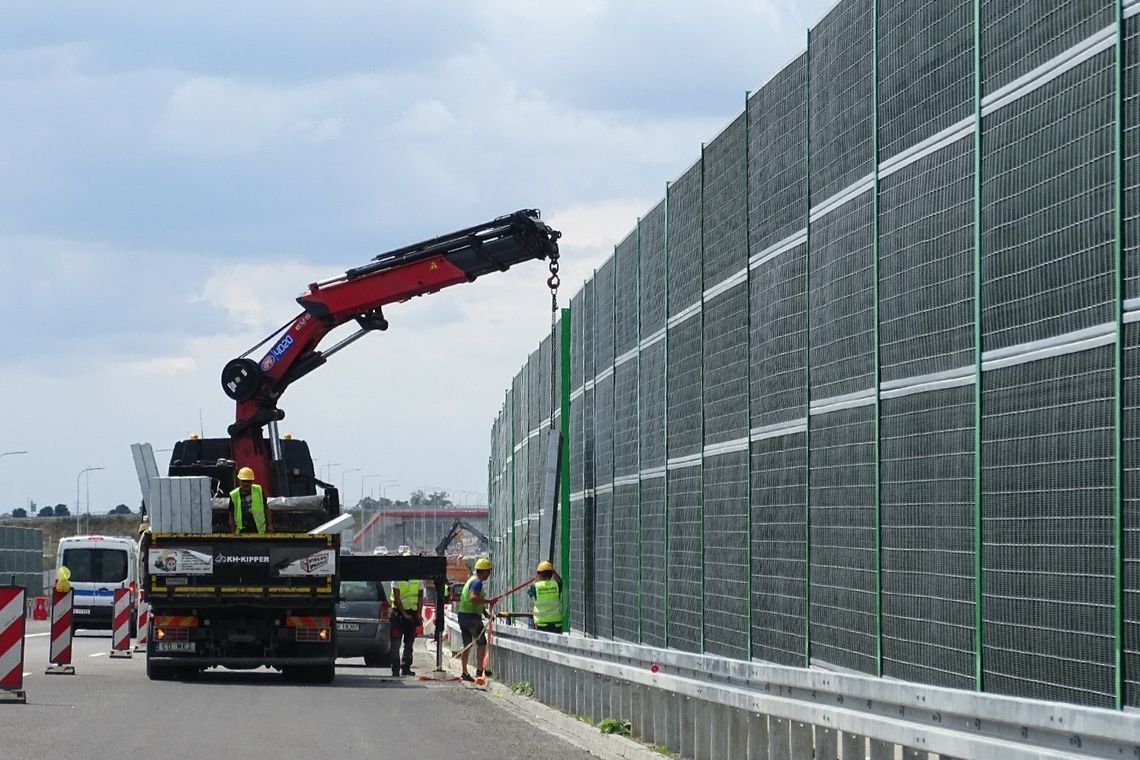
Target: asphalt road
<point>110,710</point>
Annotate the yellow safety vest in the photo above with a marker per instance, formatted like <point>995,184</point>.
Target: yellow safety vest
<point>256,505</point>
<point>547,603</point>
<point>409,594</point>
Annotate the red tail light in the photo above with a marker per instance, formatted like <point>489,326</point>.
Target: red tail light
<point>383,610</point>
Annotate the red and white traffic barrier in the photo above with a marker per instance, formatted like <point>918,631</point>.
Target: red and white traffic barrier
<point>12,623</point>
<point>142,628</point>
<point>59,655</point>
<point>121,624</point>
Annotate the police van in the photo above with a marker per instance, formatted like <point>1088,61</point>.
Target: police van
<point>98,566</point>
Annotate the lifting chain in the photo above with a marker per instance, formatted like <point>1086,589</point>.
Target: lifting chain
<point>552,282</point>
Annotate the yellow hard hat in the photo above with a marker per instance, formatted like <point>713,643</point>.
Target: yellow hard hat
<point>545,566</point>
<point>482,564</point>
<point>245,473</point>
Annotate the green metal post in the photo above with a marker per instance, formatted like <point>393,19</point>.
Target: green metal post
<point>665,420</point>
<point>564,468</point>
<point>878,367</point>
<point>748,368</point>
<point>1118,360</point>
<point>701,317</point>
<point>979,665</point>
<point>807,354</point>
<point>637,345</point>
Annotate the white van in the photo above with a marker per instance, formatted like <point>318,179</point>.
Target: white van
<point>99,565</point>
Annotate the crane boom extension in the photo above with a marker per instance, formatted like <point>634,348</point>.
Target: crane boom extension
<point>359,295</point>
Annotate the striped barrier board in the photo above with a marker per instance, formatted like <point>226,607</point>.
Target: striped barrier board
<point>121,624</point>
<point>142,629</point>
<point>59,655</point>
<point>12,623</point>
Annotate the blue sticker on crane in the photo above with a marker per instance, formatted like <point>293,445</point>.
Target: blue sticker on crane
<point>277,352</point>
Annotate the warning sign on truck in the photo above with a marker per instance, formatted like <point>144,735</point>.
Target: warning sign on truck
<point>316,564</point>
<point>180,561</point>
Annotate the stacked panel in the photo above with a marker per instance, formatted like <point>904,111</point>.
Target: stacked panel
<point>1047,280</point>
<point>651,428</point>
<point>684,421</point>
<point>1131,403</point>
<point>604,282</point>
<point>626,439</point>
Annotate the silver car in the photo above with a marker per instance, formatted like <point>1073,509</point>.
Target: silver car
<point>362,625</point>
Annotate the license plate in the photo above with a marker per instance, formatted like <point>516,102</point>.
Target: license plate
<point>80,611</point>
<point>174,646</point>
<point>348,626</point>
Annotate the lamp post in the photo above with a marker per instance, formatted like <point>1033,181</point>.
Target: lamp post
<point>10,453</point>
<point>85,469</point>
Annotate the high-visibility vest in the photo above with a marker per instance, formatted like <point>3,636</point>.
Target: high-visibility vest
<point>256,505</point>
<point>466,604</point>
<point>547,602</point>
<point>409,594</point>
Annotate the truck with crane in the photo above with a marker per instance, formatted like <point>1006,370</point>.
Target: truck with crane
<point>250,600</point>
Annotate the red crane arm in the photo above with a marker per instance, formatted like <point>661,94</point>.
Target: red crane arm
<point>360,294</point>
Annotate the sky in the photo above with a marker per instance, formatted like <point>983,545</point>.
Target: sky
<point>172,176</point>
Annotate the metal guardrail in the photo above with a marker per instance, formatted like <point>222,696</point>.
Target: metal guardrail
<point>711,707</point>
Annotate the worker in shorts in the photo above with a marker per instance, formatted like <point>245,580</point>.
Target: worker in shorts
<point>472,609</point>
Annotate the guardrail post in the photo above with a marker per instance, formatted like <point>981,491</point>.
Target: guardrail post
<point>826,743</point>
<point>854,746</point>
<point>688,727</point>
<point>800,740</point>
<point>778,748</point>
<point>704,731</point>
<point>881,750</point>
<point>757,737</point>
<point>736,742</point>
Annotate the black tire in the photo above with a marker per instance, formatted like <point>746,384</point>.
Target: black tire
<point>157,672</point>
<point>376,660</point>
<point>322,673</point>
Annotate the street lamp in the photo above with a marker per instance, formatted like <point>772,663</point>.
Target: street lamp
<point>86,469</point>
<point>362,479</point>
<point>328,468</point>
<point>10,453</point>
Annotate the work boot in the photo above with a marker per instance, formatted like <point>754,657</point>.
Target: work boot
<point>408,672</point>
<point>467,677</point>
<point>395,674</point>
<point>480,673</point>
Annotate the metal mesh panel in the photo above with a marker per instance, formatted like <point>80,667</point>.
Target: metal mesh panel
<point>604,310</point>
<point>1131,157</point>
<point>725,481</point>
<point>588,319</point>
<point>726,366</point>
<point>589,585</point>
<point>779,550</point>
<point>578,594</point>
<point>602,598</point>
<point>725,196</point>
<point>1020,35</point>
<point>654,574</point>
<point>521,479</point>
<point>684,271</point>
<point>684,585</point>
<point>1047,528</point>
<point>842,493</point>
<point>926,69</point>
<point>651,392</point>
<point>927,516</point>
<point>778,338</point>
<point>604,431</point>
<point>1131,401</point>
<point>684,389</point>
<point>1131,526</point>
<point>626,591</point>
<point>625,295</point>
<point>625,420</point>
<point>841,102</point>
<point>842,300</point>
<point>651,271</point>
<point>926,265</point>
<point>1047,203</point>
<point>777,161</point>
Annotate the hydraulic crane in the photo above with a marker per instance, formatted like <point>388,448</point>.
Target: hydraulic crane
<point>360,295</point>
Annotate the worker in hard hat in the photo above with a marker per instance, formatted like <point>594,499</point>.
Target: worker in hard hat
<point>547,595</point>
<point>407,601</point>
<point>248,513</point>
<point>472,608</point>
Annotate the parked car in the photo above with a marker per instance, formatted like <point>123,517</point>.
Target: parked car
<point>362,625</point>
<point>99,565</point>
<point>380,551</point>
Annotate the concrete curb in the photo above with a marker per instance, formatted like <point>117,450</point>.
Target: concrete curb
<point>582,735</point>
